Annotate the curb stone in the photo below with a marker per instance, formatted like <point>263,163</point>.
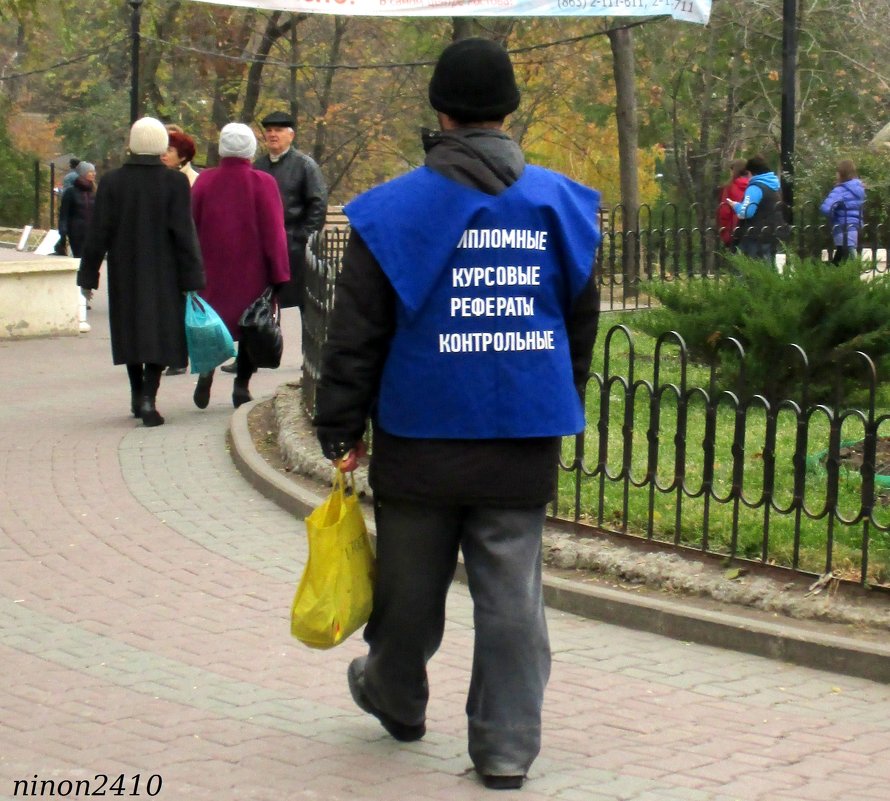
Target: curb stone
<point>761,632</point>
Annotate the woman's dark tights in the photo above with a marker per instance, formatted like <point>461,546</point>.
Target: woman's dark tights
<point>145,378</point>
<point>244,368</point>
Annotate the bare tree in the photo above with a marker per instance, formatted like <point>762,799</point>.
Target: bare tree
<point>623,67</point>
<point>324,98</point>
<point>273,31</point>
<point>153,53</point>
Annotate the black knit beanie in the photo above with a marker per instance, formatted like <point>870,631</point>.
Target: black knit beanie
<point>474,82</point>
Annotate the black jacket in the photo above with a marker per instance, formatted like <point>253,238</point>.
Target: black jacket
<point>143,222</point>
<point>767,226</point>
<point>303,193</point>
<point>75,213</point>
<point>305,198</point>
<point>501,472</point>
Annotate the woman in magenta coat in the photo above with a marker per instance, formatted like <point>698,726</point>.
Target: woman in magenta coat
<point>240,222</point>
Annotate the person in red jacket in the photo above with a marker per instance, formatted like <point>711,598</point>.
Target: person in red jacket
<point>733,191</point>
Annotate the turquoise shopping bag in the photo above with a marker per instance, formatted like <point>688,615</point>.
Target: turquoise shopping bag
<point>209,341</point>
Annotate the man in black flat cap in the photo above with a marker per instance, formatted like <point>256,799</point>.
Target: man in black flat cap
<point>303,193</point>
<point>463,323</point>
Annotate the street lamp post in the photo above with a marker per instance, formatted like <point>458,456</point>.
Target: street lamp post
<point>789,97</point>
<point>135,19</point>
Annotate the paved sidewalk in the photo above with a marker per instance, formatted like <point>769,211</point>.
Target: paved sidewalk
<point>144,596</point>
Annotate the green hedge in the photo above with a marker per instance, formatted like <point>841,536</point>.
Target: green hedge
<point>828,311</point>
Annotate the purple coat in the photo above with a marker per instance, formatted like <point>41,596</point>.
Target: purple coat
<point>843,207</point>
<point>240,222</point>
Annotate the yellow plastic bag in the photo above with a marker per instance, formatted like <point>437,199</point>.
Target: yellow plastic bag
<point>334,595</point>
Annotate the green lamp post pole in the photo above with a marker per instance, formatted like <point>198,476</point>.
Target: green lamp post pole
<point>789,97</point>
<point>135,19</point>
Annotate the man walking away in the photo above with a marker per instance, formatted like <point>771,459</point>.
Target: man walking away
<point>464,320</point>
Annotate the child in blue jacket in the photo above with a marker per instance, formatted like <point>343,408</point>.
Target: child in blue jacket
<point>843,207</point>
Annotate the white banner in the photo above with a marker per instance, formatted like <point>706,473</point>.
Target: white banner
<point>684,10</point>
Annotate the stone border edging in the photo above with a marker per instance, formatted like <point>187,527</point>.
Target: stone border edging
<point>805,647</point>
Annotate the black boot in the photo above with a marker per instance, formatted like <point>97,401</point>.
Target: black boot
<point>245,369</point>
<point>202,390</point>
<point>148,412</point>
<point>151,380</point>
<point>136,403</point>
<point>240,394</point>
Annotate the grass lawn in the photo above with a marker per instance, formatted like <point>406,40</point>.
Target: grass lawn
<point>644,392</point>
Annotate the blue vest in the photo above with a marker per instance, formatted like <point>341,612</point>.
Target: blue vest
<point>484,285</point>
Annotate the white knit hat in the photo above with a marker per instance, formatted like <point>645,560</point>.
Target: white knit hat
<point>236,139</point>
<point>148,137</point>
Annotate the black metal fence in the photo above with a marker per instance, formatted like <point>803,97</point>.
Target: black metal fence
<point>671,456</point>
<point>323,258</point>
<point>45,196</point>
<point>668,242</point>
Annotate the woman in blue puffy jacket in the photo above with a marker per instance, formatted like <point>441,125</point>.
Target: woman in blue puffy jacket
<point>843,207</point>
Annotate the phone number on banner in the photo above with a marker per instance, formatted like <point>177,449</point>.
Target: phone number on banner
<point>678,7</point>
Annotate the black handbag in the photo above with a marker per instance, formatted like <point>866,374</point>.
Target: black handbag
<point>261,331</point>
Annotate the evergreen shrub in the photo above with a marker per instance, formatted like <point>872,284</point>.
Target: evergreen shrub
<point>16,181</point>
<point>828,311</point>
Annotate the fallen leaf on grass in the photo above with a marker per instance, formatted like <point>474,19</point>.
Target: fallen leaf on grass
<point>734,573</point>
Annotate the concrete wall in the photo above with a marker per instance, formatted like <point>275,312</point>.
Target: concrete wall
<point>38,295</point>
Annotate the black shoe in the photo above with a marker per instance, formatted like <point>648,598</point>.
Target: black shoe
<point>240,395</point>
<point>399,731</point>
<point>175,371</point>
<point>135,403</point>
<point>150,415</point>
<point>494,782</point>
<point>231,367</point>
<point>202,390</point>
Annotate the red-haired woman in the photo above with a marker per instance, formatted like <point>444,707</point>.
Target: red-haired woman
<point>179,155</point>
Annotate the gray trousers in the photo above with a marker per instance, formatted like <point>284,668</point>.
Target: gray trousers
<point>417,548</point>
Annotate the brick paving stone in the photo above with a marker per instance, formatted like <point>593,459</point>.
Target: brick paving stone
<point>144,595</point>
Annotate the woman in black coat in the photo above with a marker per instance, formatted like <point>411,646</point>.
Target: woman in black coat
<point>143,222</point>
<point>76,209</point>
